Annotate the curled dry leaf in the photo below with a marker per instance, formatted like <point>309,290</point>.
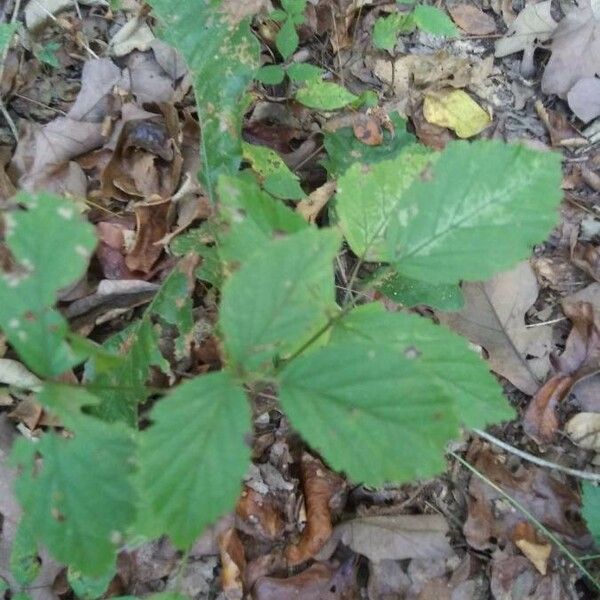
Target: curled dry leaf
<point>312,205</point>
<point>367,129</point>
<point>471,19</point>
<point>532,545</point>
<point>321,489</point>
<point>233,563</point>
<point>584,430</point>
<point>259,515</point>
<point>494,318</point>
<point>491,520</point>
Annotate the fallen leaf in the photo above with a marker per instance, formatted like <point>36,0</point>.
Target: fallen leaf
<point>233,563</point>
<point>494,317</point>
<point>456,110</point>
<point>584,99</point>
<point>584,430</point>
<point>575,50</point>
<point>587,258</point>
<point>29,412</point>
<point>37,12</point>
<point>533,25</point>
<point>433,136</point>
<point>471,19</point>
<point>13,373</point>
<point>385,537</point>
<point>312,205</point>
<point>368,130</point>
<point>259,515</point>
<point>320,488</point>
<point>561,132</point>
<point>134,35</point>
<point>111,248</point>
<point>535,548</point>
<point>387,580</point>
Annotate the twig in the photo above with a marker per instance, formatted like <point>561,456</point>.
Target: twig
<point>516,504</point>
<point>534,459</point>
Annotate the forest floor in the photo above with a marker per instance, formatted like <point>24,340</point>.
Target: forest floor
<point>538,325</point>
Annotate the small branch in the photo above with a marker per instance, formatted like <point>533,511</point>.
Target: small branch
<point>535,460</point>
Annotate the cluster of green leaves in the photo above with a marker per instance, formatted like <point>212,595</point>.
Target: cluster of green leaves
<point>429,19</point>
<point>379,394</point>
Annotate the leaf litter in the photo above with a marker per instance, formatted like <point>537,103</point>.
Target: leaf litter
<point>120,151</point>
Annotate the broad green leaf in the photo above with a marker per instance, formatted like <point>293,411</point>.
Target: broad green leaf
<point>24,562</point>
<point>89,588</point>
<point>287,39</point>
<point>445,359</point>
<point>294,8</point>
<point>80,500</point>
<point>477,210</point>
<point>324,95</point>
<point>368,199</point>
<point>344,149</point>
<point>410,292</point>
<point>6,32</point>
<point>193,456</point>
<point>278,15</point>
<point>222,54</point>
<point>434,20</point>
<point>270,74</point>
<point>276,177</point>
<point>304,72</point>
<point>280,297</point>
<point>591,509</point>
<point>51,245</point>
<point>387,29</point>
<point>251,219</point>
<point>122,388</point>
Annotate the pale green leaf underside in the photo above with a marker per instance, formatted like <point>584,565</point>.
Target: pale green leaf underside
<point>281,296</point>
<point>82,498</point>
<point>388,392</point>
<point>369,198</point>
<point>478,211</point>
<point>193,457</point>
<point>222,56</point>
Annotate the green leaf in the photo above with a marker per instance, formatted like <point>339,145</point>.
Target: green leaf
<point>591,509</point>
<point>6,32</point>
<point>410,292</point>
<point>294,8</point>
<point>24,563</point>
<point>369,198</point>
<point>387,29</point>
<point>52,246</point>
<point>122,387</point>
<point>251,219</point>
<point>276,177</point>
<point>304,72</point>
<point>344,148</point>
<point>89,588</point>
<point>80,500</point>
<point>287,39</point>
<point>324,95</point>
<point>280,297</point>
<point>387,393</point>
<point>478,210</point>
<point>193,457</point>
<point>222,55</point>
<point>47,54</point>
<point>270,74</point>
<point>278,15</point>
<point>434,20</point>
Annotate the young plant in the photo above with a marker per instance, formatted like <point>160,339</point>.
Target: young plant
<point>378,394</point>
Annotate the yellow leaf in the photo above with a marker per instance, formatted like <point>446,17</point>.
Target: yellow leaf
<point>456,110</point>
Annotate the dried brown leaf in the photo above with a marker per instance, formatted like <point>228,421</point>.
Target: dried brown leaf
<point>471,19</point>
<point>233,563</point>
<point>259,514</point>
<point>312,205</point>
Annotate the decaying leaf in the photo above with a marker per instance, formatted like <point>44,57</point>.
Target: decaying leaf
<point>321,488</point>
<point>385,537</point>
<point>584,98</point>
<point>368,130</point>
<point>533,25</point>
<point>258,515</point>
<point>561,132</point>
<point>587,258</point>
<point>493,317</point>
<point>471,19</point>
<point>233,563</point>
<point>535,548</point>
<point>312,205</point>
<point>584,430</point>
<point>575,50</point>
<point>456,110</point>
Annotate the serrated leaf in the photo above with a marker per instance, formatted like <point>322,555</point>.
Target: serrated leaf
<point>387,29</point>
<point>344,149</point>
<point>193,457</point>
<point>81,499</point>
<point>410,292</point>
<point>303,72</point>
<point>434,20</point>
<point>324,95</point>
<point>287,39</point>
<point>222,54</point>
<point>478,210</point>
<point>89,588</point>
<point>251,219</point>
<point>279,298</point>
<point>122,388</point>
<point>51,245</point>
<point>270,74</point>
<point>276,177</point>
<point>369,199</point>
<point>387,393</point>
<point>591,509</point>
